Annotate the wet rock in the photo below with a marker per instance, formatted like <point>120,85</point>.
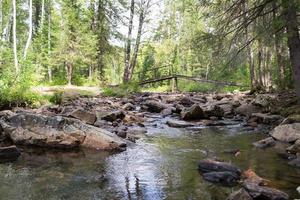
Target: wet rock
<point>267,118</point>
<point>128,106</point>
<point>9,154</point>
<point>155,106</point>
<point>247,109</point>
<point>287,132</point>
<point>251,177</point>
<point>214,110</point>
<point>84,116</point>
<point>225,178</point>
<point>178,124</point>
<point>295,162</point>
<point>111,116</point>
<point>268,142</point>
<point>193,113</point>
<point>295,148</point>
<point>168,111</point>
<point>6,114</point>
<point>227,109</point>
<point>241,194</point>
<point>186,101</point>
<point>263,192</point>
<point>58,132</point>
<point>209,165</point>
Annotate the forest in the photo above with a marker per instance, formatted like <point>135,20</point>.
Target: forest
<point>102,43</point>
<point>150,99</point>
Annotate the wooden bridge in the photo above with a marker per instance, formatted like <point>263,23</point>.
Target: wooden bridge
<point>174,78</point>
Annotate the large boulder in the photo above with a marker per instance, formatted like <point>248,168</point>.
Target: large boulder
<point>58,132</point>
<point>225,178</point>
<point>287,132</point>
<point>81,114</point>
<point>209,165</point>
<point>155,106</point>
<point>219,172</point>
<point>178,123</point>
<point>193,113</point>
<point>247,109</point>
<point>263,192</point>
<point>267,118</point>
<point>268,142</point>
<point>110,116</point>
<point>241,194</point>
<point>9,154</point>
<point>214,111</point>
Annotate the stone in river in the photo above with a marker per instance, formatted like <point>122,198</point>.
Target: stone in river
<point>226,178</point>
<point>241,194</point>
<point>268,142</point>
<point>178,124</point>
<point>193,113</point>
<point>287,132</point>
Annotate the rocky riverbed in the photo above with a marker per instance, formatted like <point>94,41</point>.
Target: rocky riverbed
<point>115,124</point>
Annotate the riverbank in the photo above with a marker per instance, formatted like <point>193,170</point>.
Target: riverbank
<point>114,123</point>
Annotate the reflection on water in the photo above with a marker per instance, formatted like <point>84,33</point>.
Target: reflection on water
<point>160,166</point>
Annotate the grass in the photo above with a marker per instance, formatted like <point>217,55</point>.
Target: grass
<point>121,90</point>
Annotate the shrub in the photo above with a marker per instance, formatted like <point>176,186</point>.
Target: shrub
<point>122,90</point>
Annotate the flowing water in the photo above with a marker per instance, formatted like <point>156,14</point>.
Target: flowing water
<point>162,165</point>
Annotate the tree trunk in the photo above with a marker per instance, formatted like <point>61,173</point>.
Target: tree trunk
<point>1,18</point>
<point>290,7</point>
<point>278,49</point>
<point>260,60</point>
<point>249,49</point>
<point>137,45</point>
<point>128,45</point>
<point>49,42</point>
<point>30,30</point>
<point>15,36</point>
<point>69,72</point>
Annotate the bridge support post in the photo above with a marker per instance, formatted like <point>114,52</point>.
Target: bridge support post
<point>174,84</point>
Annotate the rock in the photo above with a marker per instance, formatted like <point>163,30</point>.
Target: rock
<point>247,109</point>
<point>193,113</point>
<point>6,114</point>
<point>128,106</point>
<point>287,132</point>
<point>58,132</point>
<point>208,165</point>
<point>241,194</point>
<point>263,192</point>
<point>225,178</point>
<point>8,154</point>
<point>267,118</point>
<point>295,148</point>
<point>227,109</point>
<point>295,162</point>
<point>168,111</point>
<point>84,116</point>
<point>252,177</point>
<point>110,116</point>
<point>298,189</point>
<point>295,118</point>
<point>263,100</point>
<point>214,110</point>
<point>186,101</point>
<point>268,142</point>
<point>178,124</point>
<point>154,106</point>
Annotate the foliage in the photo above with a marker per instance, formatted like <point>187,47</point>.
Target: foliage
<point>123,90</point>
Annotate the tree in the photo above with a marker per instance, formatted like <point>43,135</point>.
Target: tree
<point>15,36</point>
<point>30,29</point>
<point>126,77</point>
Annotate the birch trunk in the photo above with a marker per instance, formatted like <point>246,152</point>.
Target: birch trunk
<point>30,30</point>
<point>15,36</point>
<point>128,44</point>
